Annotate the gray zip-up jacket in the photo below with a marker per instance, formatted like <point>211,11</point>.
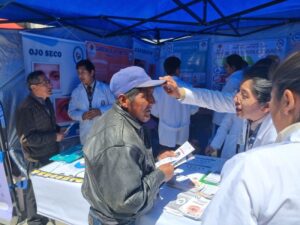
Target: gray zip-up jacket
<point>121,181</point>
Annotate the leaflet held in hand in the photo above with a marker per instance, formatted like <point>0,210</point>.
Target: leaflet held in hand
<point>182,154</point>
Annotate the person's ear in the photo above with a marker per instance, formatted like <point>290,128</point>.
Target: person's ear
<point>123,101</point>
<point>32,87</point>
<point>288,102</point>
<point>266,107</point>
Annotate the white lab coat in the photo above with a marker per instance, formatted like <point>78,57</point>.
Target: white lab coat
<point>231,86</point>
<point>266,134</point>
<point>260,186</point>
<point>214,100</point>
<point>223,102</point>
<point>228,133</point>
<point>174,117</point>
<point>79,104</point>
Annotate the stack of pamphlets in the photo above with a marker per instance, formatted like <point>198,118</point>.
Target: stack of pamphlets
<point>187,204</point>
<point>198,189</point>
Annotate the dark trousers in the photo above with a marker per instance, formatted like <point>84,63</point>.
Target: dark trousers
<point>32,217</point>
<point>95,220</point>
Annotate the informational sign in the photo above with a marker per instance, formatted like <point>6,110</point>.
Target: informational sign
<point>193,59</point>
<point>6,207</point>
<point>251,51</point>
<point>108,59</point>
<point>56,57</point>
<point>61,109</point>
<point>146,56</point>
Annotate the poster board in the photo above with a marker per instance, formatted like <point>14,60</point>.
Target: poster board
<point>251,51</point>
<point>193,56</point>
<point>108,59</point>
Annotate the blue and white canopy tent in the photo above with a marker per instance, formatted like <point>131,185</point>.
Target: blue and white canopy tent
<point>157,21</point>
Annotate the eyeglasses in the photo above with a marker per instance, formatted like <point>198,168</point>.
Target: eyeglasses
<point>44,83</point>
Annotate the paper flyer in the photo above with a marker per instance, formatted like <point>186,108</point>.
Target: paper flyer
<point>182,152</point>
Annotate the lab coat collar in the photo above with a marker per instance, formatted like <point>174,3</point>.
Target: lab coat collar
<point>290,133</point>
<point>265,126</point>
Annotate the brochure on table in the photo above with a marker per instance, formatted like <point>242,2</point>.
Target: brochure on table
<point>198,182</point>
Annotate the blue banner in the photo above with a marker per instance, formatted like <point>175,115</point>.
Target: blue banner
<point>6,207</point>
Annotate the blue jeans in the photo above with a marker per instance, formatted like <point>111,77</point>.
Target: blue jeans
<point>93,220</point>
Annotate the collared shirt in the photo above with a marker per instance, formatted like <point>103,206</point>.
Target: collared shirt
<point>252,132</point>
<point>42,101</point>
<point>39,99</point>
<point>90,89</point>
<point>91,85</point>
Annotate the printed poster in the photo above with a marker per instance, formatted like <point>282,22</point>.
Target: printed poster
<point>193,59</point>
<point>251,51</point>
<point>61,109</point>
<point>108,59</point>
<point>56,57</point>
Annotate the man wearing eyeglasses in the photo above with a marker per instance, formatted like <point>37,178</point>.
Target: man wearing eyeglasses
<point>38,133</point>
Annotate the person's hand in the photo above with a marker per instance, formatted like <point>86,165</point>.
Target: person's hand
<point>168,170</point>
<point>165,154</point>
<point>62,129</point>
<point>92,113</point>
<point>210,151</point>
<point>86,115</point>
<point>59,136</point>
<point>171,87</point>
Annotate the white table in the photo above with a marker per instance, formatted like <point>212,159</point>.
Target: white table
<point>63,201</point>
<point>58,199</point>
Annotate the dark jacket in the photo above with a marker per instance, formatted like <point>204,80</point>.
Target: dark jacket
<point>36,128</point>
<point>121,181</point>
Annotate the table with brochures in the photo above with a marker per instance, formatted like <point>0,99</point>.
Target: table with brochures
<point>57,188</point>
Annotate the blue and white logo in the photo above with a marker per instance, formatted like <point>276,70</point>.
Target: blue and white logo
<point>77,54</point>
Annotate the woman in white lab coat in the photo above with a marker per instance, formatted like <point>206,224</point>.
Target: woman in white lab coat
<point>236,127</point>
<point>262,187</point>
<point>251,103</point>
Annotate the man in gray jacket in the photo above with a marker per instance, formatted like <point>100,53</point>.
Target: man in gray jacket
<point>121,181</point>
